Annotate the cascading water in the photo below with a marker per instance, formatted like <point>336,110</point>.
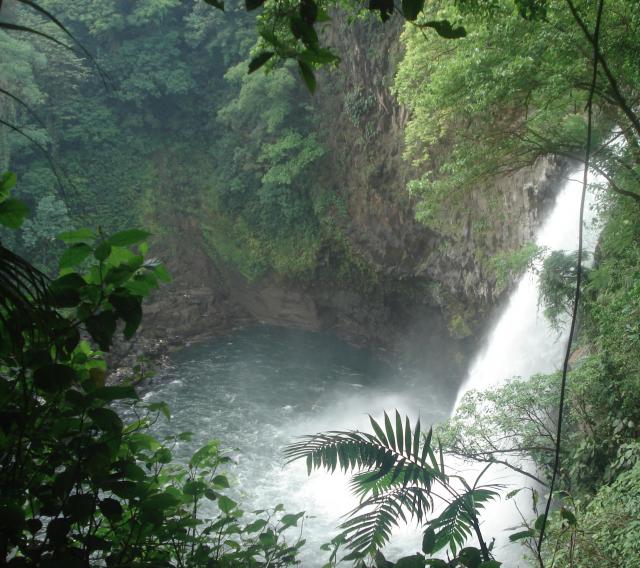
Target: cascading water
<point>259,388</point>
<point>523,343</point>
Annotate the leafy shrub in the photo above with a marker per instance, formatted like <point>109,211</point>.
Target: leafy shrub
<point>78,486</point>
<point>606,530</point>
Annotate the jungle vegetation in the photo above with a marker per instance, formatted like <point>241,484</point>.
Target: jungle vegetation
<point>491,86</point>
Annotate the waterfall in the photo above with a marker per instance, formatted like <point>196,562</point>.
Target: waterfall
<point>246,389</point>
<point>523,343</point>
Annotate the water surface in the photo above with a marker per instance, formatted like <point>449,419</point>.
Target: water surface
<point>258,388</point>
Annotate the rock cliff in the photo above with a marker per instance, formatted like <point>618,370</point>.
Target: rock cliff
<point>427,288</point>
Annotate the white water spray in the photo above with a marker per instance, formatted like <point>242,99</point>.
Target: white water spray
<point>523,343</point>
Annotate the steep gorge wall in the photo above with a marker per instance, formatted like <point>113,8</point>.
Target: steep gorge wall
<point>426,292</point>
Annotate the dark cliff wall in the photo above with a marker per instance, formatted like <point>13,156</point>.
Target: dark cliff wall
<point>425,292</point>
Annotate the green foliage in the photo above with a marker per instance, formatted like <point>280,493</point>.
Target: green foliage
<point>357,105</point>
<point>558,285</point>
<point>606,532</point>
<point>509,425</point>
<point>509,265</point>
<point>399,477</point>
<point>79,486</point>
<point>511,91</point>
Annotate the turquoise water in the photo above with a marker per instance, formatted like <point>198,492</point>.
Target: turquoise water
<point>258,388</point>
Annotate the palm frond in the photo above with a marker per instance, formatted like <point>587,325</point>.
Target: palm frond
<point>395,476</point>
<point>23,294</point>
<point>456,523</point>
<point>369,526</point>
<point>394,457</point>
<point>395,470</point>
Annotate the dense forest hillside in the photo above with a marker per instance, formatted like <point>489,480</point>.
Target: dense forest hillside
<point>266,203</point>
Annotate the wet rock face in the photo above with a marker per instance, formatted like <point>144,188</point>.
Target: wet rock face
<point>520,200</point>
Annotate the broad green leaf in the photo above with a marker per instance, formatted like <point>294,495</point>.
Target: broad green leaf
<point>256,526</point>
<point>120,255</point>
<point>253,4</point>
<point>54,377</point>
<point>161,407</point>
<point>80,507</point>
<point>57,531</point>
<point>568,516</point>
<point>216,4</point>
<point>414,561</point>
<point>385,7</point>
<point>308,11</point>
<point>117,392</point>
<point>206,452</point>
<point>141,284</point>
<point>195,488</point>
<point>291,520</point>
<point>411,9</point>
<point>13,212</point>
<point>102,252</point>
<point>470,557</point>
<point>308,75</point>
<point>106,419</point>
<point>267,539</point>
<point>94,542</point>
<point>226,505</point>
<point>163,455</point>
<point>259,60</point>
<point>540,521</point>
<point>8,181</point>
<point>318,55</point>
<point>65,291</point>
<point>74,255</point>
<point>133,471</point>
<point>129,308</point>
<point>140,441</point>
<point>78,236</point>
<point>221,481</point>
<point>162,273</point>
<point>445,29</point>
<point>160,501</point>
<point>128,238</point>
<point>303,31</point>
<point>521,534</point>
<point>102,327</point>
